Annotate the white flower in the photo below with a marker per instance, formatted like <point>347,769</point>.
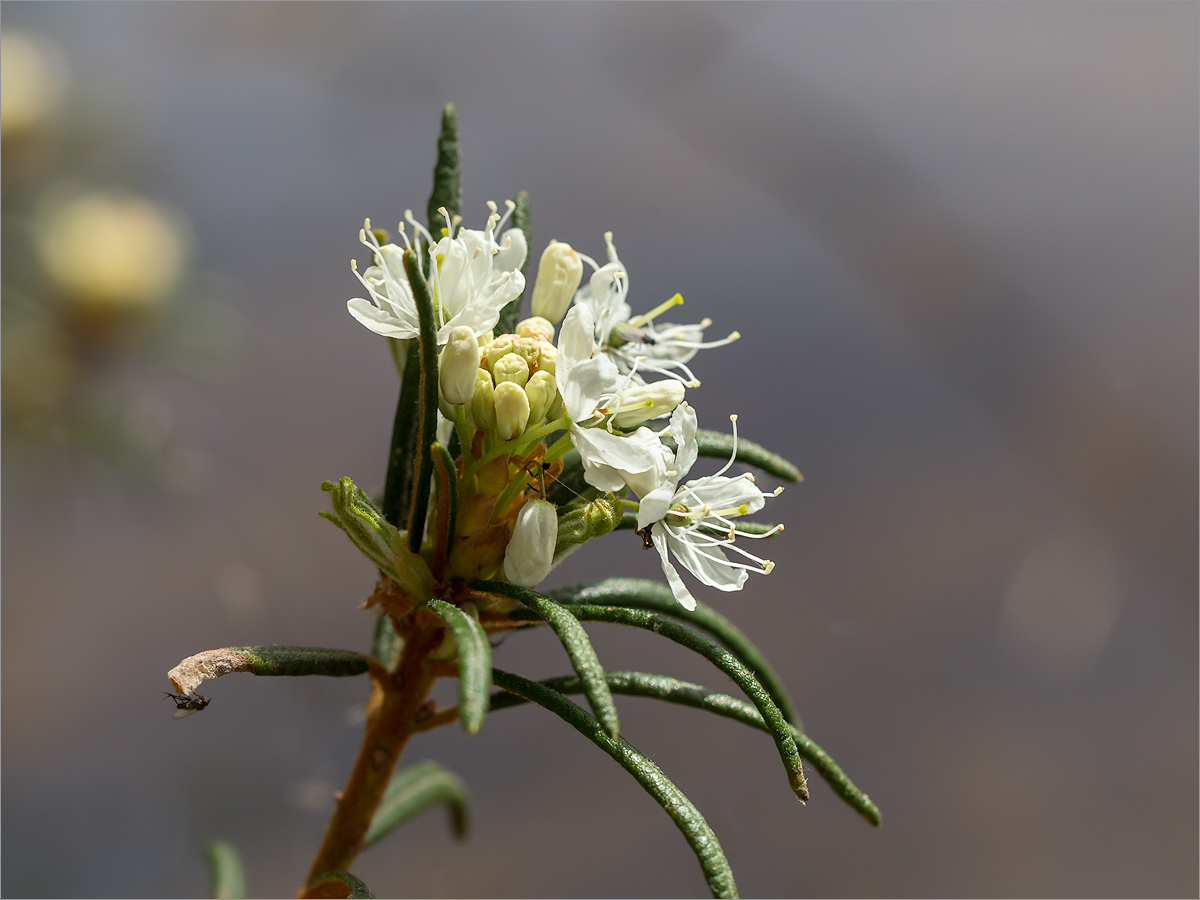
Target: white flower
<point>472,278</point>
<point>635,343</point>
<point>530,554</point>
<point>693,522</point>
<point>594,393</point>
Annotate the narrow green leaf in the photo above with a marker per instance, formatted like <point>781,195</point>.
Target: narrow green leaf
<point>686,817</point>
<point>724,660</point>
<point>511,314</point>
<point>397,487</point>
<point>278,660</point>
<point>447,173</point>
<point>225,871</point>
<point>474,663</point>
<point>447,507</point>
<point>574,640</point>
<point>672,690</point>
<point>640,593</point>
<point>427,405</point>
<point>354,888</point>
<point>415,789</point>
<point>720,445</point>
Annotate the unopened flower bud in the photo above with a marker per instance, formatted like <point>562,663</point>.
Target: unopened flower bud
<point>512,410</point>
<point>648,402</point>
<point>460,362</point>
<point>541,391</point>
<point>593,519</point>
<point>530,553</point>
<point>548,358</point>
<point>511,368</point>
<point>536,327</point>
<point>497,349</point>
<point>559,273</point>
<point>483,400</point>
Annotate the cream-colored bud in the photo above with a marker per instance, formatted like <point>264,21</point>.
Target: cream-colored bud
<point>559,273</point>
<point>483,401</point>
<point>541,391</point>
<point>529,349</point>
<point>648,401</point>
<point>536,327</point>
<point>548,358</point>
<point>497,349</point>
<point>530,553</point>
<point>459,363</point>
<point>512,410</point>
<point>511,368</point>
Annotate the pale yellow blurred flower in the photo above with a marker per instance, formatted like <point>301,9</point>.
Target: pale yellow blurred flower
<point>110,251</point>
<point>33,80</point>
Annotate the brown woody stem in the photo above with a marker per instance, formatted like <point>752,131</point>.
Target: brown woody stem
<point>388,731</point>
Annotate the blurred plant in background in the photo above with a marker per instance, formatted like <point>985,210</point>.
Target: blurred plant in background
<point>510,450</point>
<point>100,298</point>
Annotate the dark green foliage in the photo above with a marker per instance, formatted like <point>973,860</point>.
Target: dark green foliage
<point>687,818</point>
<point>574,640</point>
<point>415,789</point>
<point>474,663</point>
<point>278,660</point>
<point>639,593</point>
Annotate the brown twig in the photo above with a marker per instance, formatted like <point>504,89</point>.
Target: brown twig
<point>388,731</point>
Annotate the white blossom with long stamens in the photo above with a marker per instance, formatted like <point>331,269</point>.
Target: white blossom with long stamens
<point>635,343</point>
<point>472,278</point>
<point>599,400</point>
<point>694,523</point>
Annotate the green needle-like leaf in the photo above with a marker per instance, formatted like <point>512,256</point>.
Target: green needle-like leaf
<point>397,488</point>
<point>720,445</point>
<point>427,406</point>
<point>687,818</point>
<point>447,173</point>
<point>639,593</point>
<point>724,660</point>
<point>474,663</point>
<point>225,871</point>
<point>350,886</point>
<point>415,789</point>
<point>277,660</point>
<point>511,314</point>
<point>574,640</point>
<point>672,690</point>
<point>447,506</point>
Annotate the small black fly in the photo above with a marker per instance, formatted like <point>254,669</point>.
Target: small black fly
<point>185,705</point>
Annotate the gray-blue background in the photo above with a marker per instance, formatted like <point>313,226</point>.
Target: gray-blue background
<point>960,243</point>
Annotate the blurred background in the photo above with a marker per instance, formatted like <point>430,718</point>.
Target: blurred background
<point>960,243</point>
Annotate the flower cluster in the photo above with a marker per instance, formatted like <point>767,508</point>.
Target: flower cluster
<point>520,402</point>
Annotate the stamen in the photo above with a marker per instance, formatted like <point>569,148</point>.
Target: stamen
<point>639,321</point>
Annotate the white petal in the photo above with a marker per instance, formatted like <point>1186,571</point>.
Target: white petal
<point>513,250</point>
<point>714,573</point>
<point>655,504</point>
<point>576,341</point>
<point>377,320</point>
<point>683,429</point>
<point>686,600</point>
<point>587,382</point>
<point>723,492</point>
